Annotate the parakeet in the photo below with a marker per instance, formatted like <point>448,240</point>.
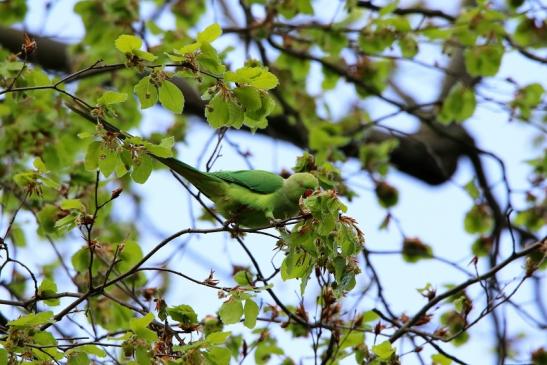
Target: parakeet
<point>251,198</point>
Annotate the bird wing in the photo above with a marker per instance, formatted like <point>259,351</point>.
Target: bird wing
<point>259,181</point>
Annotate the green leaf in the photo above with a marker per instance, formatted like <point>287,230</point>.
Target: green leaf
<point>528,98</point>
<point>383,350</point>
<point>440,359</point>
<point>243,278</point>
<point>47,217</point>
<point>218,355</point>
<point>351,339</point>
<point>373,42</point>
<point>164,149</point>
<point>409,46</point>
<point>39,165</point>
<point>183,314</point>
<point>389,8</point>
<point>32,320</point>
<point>251,312</point>
<point>210,33</point>
<point>69,204</point>
<point>48,288</point>
<point>257,118</point>
<point>146,92</point>
<point>112,97</point>
<point>209,60</point>
<point>249,97</point>
<point>231,311</point>
<point>77,358</point>
<point>127,43</point>
<point>139,326</point>
<point>478,220</point>
<point>142,169</point>
<point>108,159</point>
<point>17,235</point>
<point>472,190</point>
<point>255,76</point>
<point>171,97</point>
<point>370,316</point>
<point>65,224</point>
<point>217,338</point>
<point>92,156</point>
<point>88,349</point>
<point>483,60</point>
<point>459,105</point>
<point>142,322</point>
<point>217,111</point>
<point>3,356</point>
<point>265,350</point>
<point>189,48</point>
<point>531,94</point>
<point>147,56</point>
<point>235,114</point>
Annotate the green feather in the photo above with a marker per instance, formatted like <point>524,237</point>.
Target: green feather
<point>259,181</point>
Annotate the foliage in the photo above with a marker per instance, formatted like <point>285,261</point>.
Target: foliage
<point>73,143</point>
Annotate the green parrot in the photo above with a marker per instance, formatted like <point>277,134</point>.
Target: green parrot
<point>251,198</point>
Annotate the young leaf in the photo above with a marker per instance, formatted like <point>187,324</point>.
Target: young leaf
<point>483,60</point>
<point>147,56</point>
<point>48,288</point>
<point>32,319</point>
<point>459,105</point>
<point>76,204</point>
<point>217,111</point>
<point>217,338</point>
<point>251,312</point>
<point>183,313</point>
<point>127,43</point>
<point>383,350</point>
<point>108,160</point>
<point>171,97</point>
<point>142,169</point>
<point>112,97</point>
<point>231,311</point>
<point>409,46</point>
<point>39,164</point>
<point>92,156</point>
<point>249,97</point>
<point>440,359</point>
<point>146,92</point>
<point>255,76</point>
<point>210,33</point>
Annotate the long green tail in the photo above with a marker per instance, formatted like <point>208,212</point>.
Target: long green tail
<point>208,184</point>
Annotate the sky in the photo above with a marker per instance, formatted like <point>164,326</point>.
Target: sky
<point>435,214</point>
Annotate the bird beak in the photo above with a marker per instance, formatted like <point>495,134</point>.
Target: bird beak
<point>308,192</point>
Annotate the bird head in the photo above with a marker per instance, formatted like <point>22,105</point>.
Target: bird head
<point>300,184</point>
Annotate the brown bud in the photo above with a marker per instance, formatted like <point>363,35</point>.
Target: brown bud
<point>116,193</point>
<point>28,47</point>
<point>149,293</point>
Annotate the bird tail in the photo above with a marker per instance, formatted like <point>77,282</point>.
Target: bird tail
<point>206,183</point>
